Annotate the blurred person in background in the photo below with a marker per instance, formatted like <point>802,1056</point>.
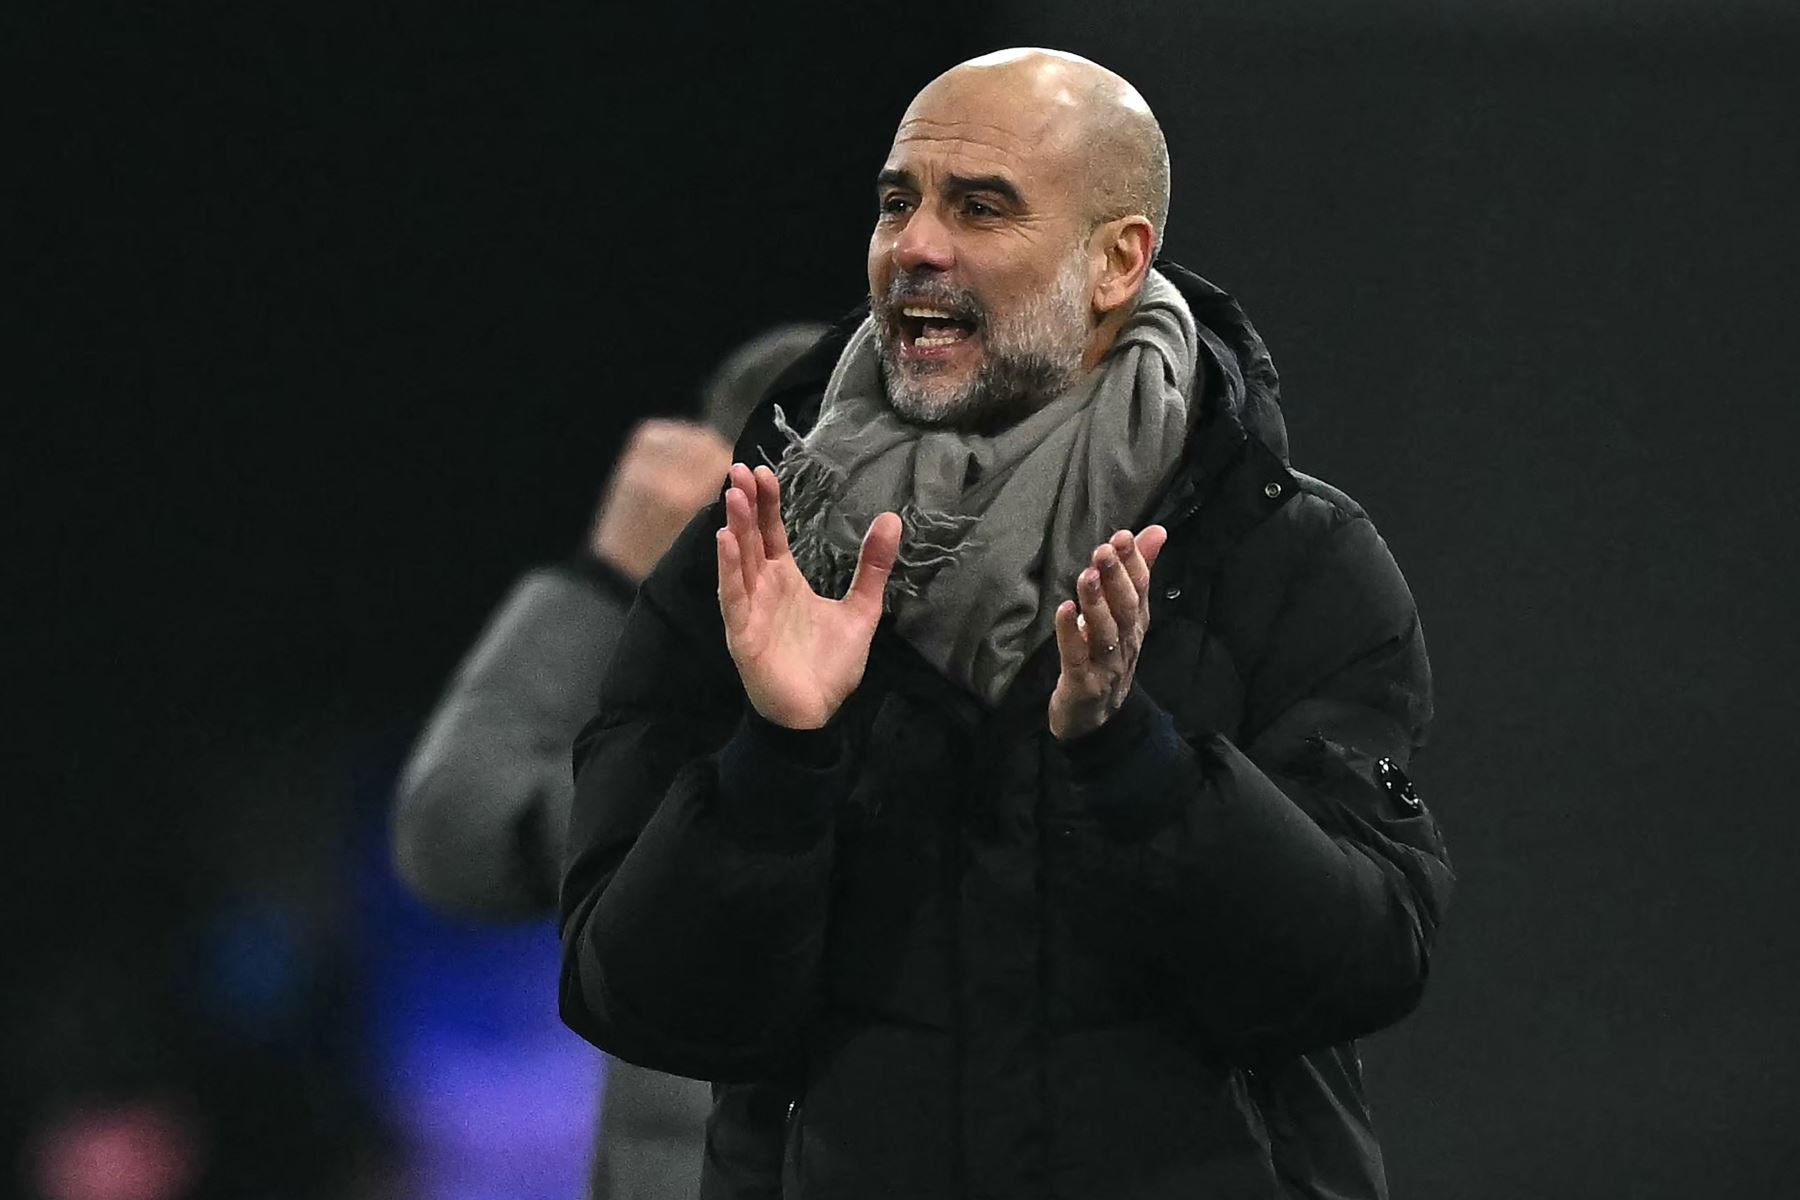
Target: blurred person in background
<point>482,805</point>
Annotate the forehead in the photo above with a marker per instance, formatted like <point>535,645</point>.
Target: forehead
<point>975,131</point>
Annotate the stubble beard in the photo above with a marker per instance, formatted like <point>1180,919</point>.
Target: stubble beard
<point>1029,356</point>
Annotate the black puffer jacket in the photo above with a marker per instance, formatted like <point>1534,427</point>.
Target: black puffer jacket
<point>989,964</point>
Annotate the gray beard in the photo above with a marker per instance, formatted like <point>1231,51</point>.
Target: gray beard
<point>1030,359</point>
<point>1004,392</point>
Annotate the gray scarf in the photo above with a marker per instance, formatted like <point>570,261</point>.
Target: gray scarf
<point>994,528</point>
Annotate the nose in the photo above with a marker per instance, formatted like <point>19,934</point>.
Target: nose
<point>924,245</point>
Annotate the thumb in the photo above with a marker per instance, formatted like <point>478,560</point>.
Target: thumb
<point>881,545</point>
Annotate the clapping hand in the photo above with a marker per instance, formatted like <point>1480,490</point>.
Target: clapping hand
<point>1101,631</point>
<point>799,654</point>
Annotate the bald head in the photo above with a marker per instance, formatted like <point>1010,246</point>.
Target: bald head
<point>1091,117</point>
<point>1017,215</point>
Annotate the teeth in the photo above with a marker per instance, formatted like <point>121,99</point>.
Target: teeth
<point>928,313</point>
<point>928,342</point>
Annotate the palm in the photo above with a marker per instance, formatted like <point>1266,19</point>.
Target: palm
<point>805,653</point>
<point>799,654</point>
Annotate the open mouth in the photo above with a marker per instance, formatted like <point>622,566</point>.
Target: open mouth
<point>923,327</point>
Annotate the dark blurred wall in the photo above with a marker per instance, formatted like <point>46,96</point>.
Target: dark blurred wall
<point>1528,277</point>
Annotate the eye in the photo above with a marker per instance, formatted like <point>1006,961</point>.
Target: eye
<point>979,208</point>
<point>894,204</point>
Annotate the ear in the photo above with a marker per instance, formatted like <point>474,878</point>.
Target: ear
<point>1124,247</point>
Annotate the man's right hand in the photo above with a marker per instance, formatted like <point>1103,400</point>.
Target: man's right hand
<point>799,654</point>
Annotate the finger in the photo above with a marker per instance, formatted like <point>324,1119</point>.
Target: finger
<point>750,539</point>
<point>1102,630</point>
<point>1072,647</point>
<point>1126,547</point>
<point>1150,542</point>
<point>1121,594</point>
<point>875,562</point>
<point>768,513</point>
<point>741,526</point>
<point>734,603</point>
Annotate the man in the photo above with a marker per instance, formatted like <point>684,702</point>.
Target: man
<point>1070,850</point>
<point>482,808</point>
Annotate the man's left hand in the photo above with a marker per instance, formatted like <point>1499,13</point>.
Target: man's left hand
<point>1100,632</point>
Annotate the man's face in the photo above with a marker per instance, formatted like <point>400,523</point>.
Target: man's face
<point>979,276</point>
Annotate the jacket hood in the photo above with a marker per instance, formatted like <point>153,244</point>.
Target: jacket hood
<point>1241,379</point>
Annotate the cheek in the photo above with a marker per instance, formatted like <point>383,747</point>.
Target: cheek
<point>880,263</point>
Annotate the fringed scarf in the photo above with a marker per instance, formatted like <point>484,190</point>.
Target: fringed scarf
<point>994,528</point>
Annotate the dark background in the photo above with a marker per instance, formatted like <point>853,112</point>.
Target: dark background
<point>333,317</point>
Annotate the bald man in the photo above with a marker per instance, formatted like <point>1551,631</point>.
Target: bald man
<point>1006,795</point>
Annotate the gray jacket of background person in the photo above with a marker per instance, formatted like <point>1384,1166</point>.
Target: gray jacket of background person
<point>482,808</point>
<point>483,803</point>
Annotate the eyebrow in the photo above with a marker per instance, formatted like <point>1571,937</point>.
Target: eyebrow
<point>956,185</point>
